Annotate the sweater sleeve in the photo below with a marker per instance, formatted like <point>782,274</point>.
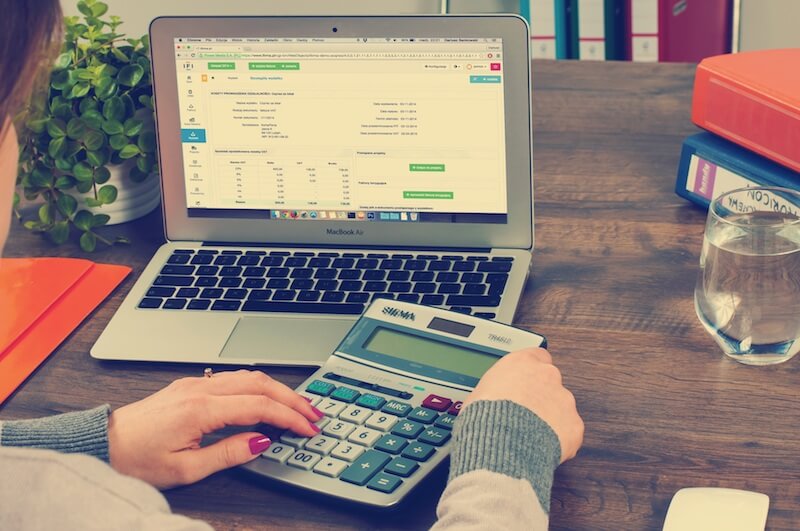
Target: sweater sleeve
<point>501,469</point>
<point>84,432</point>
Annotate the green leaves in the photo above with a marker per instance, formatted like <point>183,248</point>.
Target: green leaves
<point>88,242</point>
<point>107,194</point>
<point>130,75</point>
<point>67,205</point>
<point>129,151</point>
<point>56,128</point>
<point>83,172</point>
<point>114,109</point>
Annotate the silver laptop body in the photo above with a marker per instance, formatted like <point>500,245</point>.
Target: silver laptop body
<point>395,147</point>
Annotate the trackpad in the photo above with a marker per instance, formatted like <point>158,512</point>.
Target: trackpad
<point>285,341</point>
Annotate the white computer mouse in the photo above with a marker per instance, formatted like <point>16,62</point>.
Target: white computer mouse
<point>711,509</point>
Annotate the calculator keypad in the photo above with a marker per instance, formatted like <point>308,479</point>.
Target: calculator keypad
<point>366,439</point>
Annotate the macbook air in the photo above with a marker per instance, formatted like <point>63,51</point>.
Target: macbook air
<point>310,165</point>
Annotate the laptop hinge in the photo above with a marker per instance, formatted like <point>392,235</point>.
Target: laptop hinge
<point>342,247</point>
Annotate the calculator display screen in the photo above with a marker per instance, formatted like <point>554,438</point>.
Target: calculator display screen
<point>417,349</point>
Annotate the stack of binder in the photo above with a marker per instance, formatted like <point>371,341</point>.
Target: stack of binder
<point>749,104</point>
<point>632,30</point>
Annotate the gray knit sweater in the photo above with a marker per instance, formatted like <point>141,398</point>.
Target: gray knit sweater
<point>501,471</point>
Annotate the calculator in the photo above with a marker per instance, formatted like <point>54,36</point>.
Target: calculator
<point>390,394</point>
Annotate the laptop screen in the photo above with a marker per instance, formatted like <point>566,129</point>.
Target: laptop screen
<point>347,129</point>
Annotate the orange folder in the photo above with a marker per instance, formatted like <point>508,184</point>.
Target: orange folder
<point>42,300</point>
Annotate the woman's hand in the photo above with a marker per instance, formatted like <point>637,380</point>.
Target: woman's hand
<point>158,439</point>
<point>529,378</point>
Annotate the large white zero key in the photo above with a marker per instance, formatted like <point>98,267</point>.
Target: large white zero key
<point>331,467</point>
<point>331,408</point>
<point>338,428</point>
<point>278,452</point>
<point>321,445</point>
<point>355,414</point>
<point>303,459</point>
<point>381,421</point>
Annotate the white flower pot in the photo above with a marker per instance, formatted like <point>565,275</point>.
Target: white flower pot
<point>134,200</point>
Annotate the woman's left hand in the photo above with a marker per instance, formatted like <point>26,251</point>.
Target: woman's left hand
<point>158,439</point>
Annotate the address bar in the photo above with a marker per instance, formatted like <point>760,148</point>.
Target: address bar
<point>340,55</point>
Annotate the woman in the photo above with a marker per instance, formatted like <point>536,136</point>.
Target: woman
<point>60,465</point>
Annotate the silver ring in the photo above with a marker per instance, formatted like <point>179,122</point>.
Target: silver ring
<point>208,372</point>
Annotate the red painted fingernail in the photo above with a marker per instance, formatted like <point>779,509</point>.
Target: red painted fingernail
<point>319,413</point>
<point>259,444</point>
<point>306,399</point>
<point>314,427</point>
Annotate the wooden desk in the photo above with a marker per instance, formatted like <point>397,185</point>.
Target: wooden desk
<point>614,269</point>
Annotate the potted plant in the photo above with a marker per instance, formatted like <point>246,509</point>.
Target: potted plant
<point>87,144</point>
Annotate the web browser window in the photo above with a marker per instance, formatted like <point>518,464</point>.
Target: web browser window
<point>373,129</point>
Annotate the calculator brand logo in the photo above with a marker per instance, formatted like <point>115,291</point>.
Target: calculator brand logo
<point>500,339</point>
<point>402,314</point>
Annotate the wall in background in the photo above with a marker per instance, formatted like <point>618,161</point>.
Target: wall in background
<point>137,13</point>
<point>768,24</point>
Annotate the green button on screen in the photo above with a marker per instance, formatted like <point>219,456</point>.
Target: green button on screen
<point>409,194</point>
<point>221,65</point>
<point>274,66</point>
<point>426,167</point>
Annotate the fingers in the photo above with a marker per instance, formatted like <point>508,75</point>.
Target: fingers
<point>246,382</point>
<point>244,410</point>
<point>194,465</point>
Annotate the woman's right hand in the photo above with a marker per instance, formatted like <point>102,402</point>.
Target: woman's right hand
<point>529,378</point>
<point>158,439</point>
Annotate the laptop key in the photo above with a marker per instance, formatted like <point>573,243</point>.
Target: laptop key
<point>503,267</point>
<point>439,265</point>
<point>248,260</point>
<point>326,285</point>
<point>278,272</point>
<point>502,259</point>
<point>173,280</point>
<point>367,263</point>
<point>485,315</point>
<point>278,283</point>
<point>174,304</point>
<point>207,251</point>
<point>253,271</point>
<point>446,277</point>
<point>188,293</point>
<point>408,297</point>
<point>230,271</point>
<point>374,274</point>
<point>376,286</point>
<point>468,278</point>
<point>319,262</point>
<point>198,304</point>
<point>207,270</point>
<point>400,287</point>
<point>415,265</point>
<point>284,295</point>
<point>179,259</point>
<point>422,276</point>
<point>150,302</point>
<point>497,278</point>
<point>432,300</point>
<point>160,292</point>
<point>302,273</point>
<point>343,263</point>
<point>464,266</point>
<point>206,282</point>
<point>254,283</point>
<point>333,296</point>
<point>255,253</point>
<point>302,283</point>
<point>231,252</point>
<point>308,296</point>
<point>473,300</point>
<point>349,274</point>
<point>474,289</point>
<point>211,293</point>
<point>388,265</point>
<point>259,294</point>
<point>225,260</point>
<point>496,289</point>
<point>353,255</point>
<point>398,275</point>
<point>461,309</point>
<point>450,288</point>
<point>325,273</point>
<point>279,253</point>
<point>358,297</point>
<point>230,282</point>
<point>351,285</point>
<point>295,262</point>
<point>272,261</point>
<point>236,294</point>
<point>303,253</point>
<point>303,307</point>
<point>424,287</point>
<point>226,305</point>
<point>202,259</point>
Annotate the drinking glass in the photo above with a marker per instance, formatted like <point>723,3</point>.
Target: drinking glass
<point>748,290</point>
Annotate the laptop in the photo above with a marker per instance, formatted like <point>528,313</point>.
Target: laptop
<point>311,165</point>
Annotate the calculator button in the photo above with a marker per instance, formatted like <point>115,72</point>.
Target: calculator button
<point>318,387</point>
<point>365,467</point>
<point>437,403</point>
<point>331,408</point>
<point>400,466</point>
<point>321,423</point>
<point>348,451</point>
<point>381,421</point>
<point>385,483</point>
<point>293,440</point>
<point>391,444</point>
<point>445,421</point>
<point>278,452</point>
<point>408,429</point>
<point>338,429</point>
<point>303,459</point>
<point>455,408</point>
<point>312,399</point>
<point>330,467</point>
<point>423,415</point>
<point>434,436</point>
<point>345,394</point>
<point>394,407</point>
<point>355,414</point>
<point>371,401</point>
<point>418,451</point>
<point>321,445</point>
<point>364,436</point>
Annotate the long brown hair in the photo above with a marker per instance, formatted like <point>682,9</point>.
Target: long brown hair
<point>29,34</point>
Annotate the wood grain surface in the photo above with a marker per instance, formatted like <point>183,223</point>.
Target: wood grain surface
<point>614,268</point>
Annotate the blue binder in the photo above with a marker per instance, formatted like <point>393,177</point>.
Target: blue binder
<point>561,19</point>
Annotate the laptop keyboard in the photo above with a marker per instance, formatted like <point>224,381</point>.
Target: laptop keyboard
<point>325,282</point>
